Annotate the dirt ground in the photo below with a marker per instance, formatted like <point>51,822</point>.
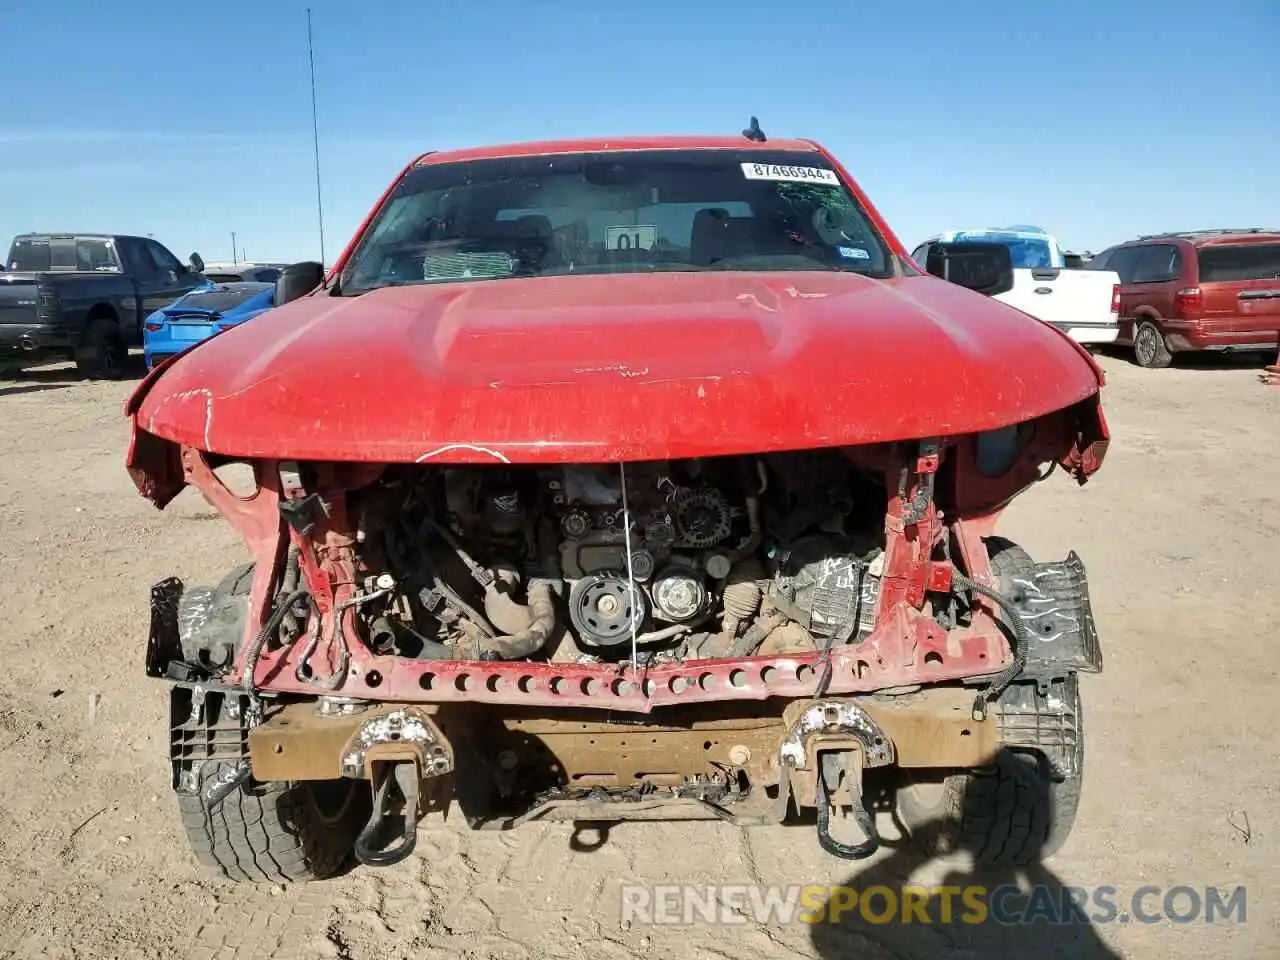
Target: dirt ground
<point>1179,531</point>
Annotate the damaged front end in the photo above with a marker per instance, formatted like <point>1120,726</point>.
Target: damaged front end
<point>730,637</point>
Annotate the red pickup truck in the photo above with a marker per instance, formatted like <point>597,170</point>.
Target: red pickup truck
<point>623,479</point>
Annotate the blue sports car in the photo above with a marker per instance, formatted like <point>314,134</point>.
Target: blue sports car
<point>200,314</point>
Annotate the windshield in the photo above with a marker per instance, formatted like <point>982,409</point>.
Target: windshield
<point>63,253</point>
<point>626,212</point>
<point>1240,261</point>
<point>1027,253</point>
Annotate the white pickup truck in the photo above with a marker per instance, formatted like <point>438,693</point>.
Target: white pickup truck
<point>1083,303</point>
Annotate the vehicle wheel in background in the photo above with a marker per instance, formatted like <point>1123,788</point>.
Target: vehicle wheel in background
<point>1149,348</point>
<point>103,354</point>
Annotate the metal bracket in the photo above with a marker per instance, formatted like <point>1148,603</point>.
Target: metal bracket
<point>404,733</point>
<point>303,513</point>
<point>926,468</point>
<point>164,648</point>
<point>826,720</point>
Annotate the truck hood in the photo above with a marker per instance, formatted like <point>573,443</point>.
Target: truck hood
<point>605,368</point>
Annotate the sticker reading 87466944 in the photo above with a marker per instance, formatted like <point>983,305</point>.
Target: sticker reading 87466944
<point>780,171</point>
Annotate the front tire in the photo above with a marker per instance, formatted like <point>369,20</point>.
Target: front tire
<point>1149,349</point>
<point>268,832</point>
<point>286,832</point>
<point>1015,812</point>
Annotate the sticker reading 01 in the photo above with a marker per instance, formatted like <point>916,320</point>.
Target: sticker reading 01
<point>631,237</point>
<point>777,171</point>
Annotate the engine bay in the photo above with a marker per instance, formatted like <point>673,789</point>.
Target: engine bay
<point>667,561</point>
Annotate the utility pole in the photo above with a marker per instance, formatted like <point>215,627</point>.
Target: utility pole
<point>315,133</point>
<point>234,261</point>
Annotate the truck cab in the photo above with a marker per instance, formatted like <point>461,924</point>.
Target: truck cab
<point>1083,303</point>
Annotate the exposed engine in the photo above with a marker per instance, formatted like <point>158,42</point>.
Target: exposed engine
<point>683,560</point>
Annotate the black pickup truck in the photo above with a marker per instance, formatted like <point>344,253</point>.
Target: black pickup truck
<point>84,296</point>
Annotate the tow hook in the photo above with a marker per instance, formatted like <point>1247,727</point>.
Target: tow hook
<point>399,750</point>
<point>828,745</point>
<point>407,779</point>
<point>828,785</point>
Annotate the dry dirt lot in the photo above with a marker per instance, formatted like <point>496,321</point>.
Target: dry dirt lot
<point>1180,533</point>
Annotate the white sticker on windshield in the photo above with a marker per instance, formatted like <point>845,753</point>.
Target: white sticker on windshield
<point>631,237</point>
<point>778,171</point>
<point>853,253</point>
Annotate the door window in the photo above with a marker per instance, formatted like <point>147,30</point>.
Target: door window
<point>164,261</point>
<point>1122,261</point>
<point>137,261</point>
<point>1156,264</point>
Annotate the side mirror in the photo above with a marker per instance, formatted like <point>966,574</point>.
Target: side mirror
<point>197,264</point>
<point>298,279</point>
<point>984,267</point>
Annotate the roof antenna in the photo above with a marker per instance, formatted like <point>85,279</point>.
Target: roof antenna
<point>754,132</point>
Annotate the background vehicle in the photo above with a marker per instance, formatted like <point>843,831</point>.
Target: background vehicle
<point>200,314</point>
<point>224,271</point>
<point>562,514</point>
<point>82,297</point>
<point>1197,290</point>
<point>1081,302</point>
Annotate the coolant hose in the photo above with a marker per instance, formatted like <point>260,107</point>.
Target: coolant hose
<point>499,606</point>
<point>531,639</point>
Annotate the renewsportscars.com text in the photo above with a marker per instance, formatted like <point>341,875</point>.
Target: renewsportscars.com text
<point>1060,905</point>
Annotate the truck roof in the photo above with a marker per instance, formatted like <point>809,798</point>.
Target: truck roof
<point>88,234</point>
<point>1213,237</point>
<point>614,144</point>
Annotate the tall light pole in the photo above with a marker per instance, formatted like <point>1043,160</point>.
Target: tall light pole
<point>234,261</point>
<point>315,133</point>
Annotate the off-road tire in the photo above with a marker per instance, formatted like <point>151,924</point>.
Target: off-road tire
<point>275,832</point>
<point>1149,349</point>
<point>103,354</point>
<point>1010,814</point>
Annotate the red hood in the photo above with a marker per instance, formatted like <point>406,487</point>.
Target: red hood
<point>604,368</point>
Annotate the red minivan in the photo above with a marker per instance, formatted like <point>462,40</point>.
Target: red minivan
<point>1199,290</point>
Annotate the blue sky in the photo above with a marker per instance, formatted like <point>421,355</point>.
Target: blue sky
<point>189,121</point>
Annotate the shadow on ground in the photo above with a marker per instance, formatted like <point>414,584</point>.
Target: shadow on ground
<point>1201,359</point>
<point>54,376</point>
<point>1023,912</point>
<point>20,388</point>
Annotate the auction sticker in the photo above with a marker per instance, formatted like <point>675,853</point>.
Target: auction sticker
<point>853,253</point>
<point>777,171</point>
